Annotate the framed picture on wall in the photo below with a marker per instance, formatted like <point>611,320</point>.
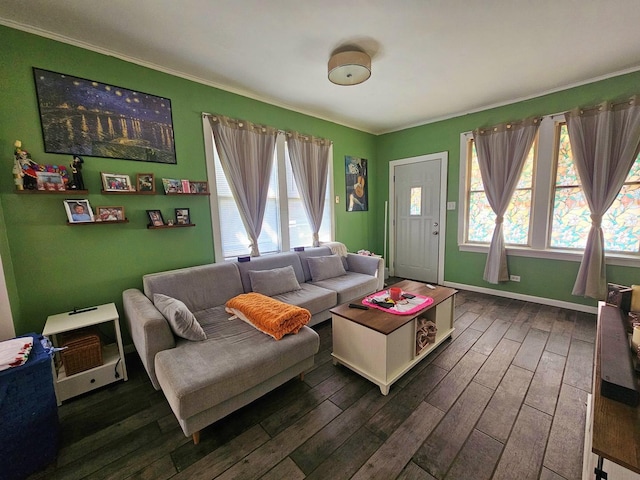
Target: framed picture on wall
<point>87,117</point>
<point>182,216</point>
<point>109,214</point>
<point>145,182</point>
<point>78,211</point>
<point>155,218</point>
<point>356,183</point>
<point>115,182</point>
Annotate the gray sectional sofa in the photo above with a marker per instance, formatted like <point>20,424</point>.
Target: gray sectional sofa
<point>206,380</point>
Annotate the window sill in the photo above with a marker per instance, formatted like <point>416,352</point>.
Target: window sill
<point>566,255</point>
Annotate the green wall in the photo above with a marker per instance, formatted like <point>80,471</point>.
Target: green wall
<point>540,277</point>
<point>51,267</point>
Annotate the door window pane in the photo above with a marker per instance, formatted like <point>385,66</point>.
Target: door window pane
<point>415,205</point>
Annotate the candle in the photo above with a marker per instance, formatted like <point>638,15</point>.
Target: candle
<point>635,340</point>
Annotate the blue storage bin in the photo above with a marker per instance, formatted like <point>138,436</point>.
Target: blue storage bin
<point>29,428</point>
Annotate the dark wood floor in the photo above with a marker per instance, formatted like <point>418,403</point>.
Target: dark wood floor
<point>504,399</point>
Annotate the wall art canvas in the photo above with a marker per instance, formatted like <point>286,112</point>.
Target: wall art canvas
<point>356,183</point>
<point>86,117</point>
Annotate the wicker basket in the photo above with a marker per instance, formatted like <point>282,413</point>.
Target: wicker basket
<point>84,350</point>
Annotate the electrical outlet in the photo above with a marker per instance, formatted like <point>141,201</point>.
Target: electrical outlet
<point>451,205</point>
<point>514,278</point>
<point>337,198</point>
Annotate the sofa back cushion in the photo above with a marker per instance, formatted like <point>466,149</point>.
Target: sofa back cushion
<point>315,252</point>
<point>199,288</point>
<point>275,281</point>
<point>269,262</point>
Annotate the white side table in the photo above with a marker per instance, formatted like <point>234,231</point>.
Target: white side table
<point>113,369</point>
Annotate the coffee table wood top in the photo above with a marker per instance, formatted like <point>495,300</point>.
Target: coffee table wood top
<point>385,322</point>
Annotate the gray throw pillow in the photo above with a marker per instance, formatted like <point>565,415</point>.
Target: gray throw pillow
<point>275,281</point>
<point>322,268</point>
<point>182,322</point>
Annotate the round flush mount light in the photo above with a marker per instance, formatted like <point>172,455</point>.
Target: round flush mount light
<point>349,68</point>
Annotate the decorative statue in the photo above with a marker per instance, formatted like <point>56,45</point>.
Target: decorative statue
<point>24,169</point>
<point>76,170</point>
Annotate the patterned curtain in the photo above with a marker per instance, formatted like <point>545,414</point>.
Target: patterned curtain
<point>605,142</point>
<point>502,151</point>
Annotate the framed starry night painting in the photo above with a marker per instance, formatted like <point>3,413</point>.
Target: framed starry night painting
<point>87,117</point>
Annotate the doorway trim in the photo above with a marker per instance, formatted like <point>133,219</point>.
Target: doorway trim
<point>443,157</point>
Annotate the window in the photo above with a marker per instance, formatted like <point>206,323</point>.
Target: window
<point>548,215</point>
<point>481,217</point>
<point>285,223</point>
<point>571,220</point>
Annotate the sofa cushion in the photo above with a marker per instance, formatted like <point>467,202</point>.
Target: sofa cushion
<point>312,297</point>
<point>350,286</point>
<point>182,322</point>
<point>329,266</point>
<point>268,262</point>
<point>274,281</point>
<point>235,358</point>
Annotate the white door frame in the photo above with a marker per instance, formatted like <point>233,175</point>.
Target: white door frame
<point>7,329</point>
<point>443,157</point>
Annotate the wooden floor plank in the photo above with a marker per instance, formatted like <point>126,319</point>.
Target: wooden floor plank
<point>545,386</point>
<point>462,323</point>
<point>286,469</point>
<point>523,454</point>
<point>414,472</point>
<point>391,458</point>
<point>531,349</point>
<point>491,373</point>
<point>268,455</point>
<point>483,322</point>
<point>450,387</point>
<point>457,349</point>
<point>563,454</point>
<point>579,369</point>
<point>437,454</point>
<point>502,411</point>
<point>491,337</point>
<point>478,458</point>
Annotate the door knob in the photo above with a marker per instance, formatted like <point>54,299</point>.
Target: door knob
<point>435,233</point>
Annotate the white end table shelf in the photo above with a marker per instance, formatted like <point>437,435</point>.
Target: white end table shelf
<point>113,368</point>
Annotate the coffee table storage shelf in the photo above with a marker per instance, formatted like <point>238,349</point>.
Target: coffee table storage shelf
<point>381,346</point>
<point>113,366</point>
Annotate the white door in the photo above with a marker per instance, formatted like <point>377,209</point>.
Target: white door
<point>418,217</point>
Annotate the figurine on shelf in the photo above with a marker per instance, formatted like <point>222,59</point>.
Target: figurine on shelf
<point>76,170</point>
<point>24,169</point>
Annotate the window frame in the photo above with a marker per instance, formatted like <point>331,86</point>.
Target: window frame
<point>542,203</point>
<point>283,198</point>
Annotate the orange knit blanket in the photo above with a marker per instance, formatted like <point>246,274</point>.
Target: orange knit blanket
<point>268,315</point>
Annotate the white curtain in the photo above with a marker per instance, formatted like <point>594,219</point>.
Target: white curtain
<point>310,165</point>
<point>605,142</point>
<point>246,154</point>
<point>502,151</point>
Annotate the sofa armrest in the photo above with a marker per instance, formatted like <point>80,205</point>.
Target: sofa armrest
<point>368,265</point>
<point>148,328</point>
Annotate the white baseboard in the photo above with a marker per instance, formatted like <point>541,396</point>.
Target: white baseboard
<point>527,298</point>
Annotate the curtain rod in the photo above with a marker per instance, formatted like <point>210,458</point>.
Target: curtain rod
<point>278,130</point>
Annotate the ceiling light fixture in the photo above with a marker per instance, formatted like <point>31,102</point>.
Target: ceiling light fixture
<point>349,68</point>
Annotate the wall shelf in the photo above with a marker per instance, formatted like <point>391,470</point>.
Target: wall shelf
<point>187,194</point>
<point>54,192</point>
<point>153,227</point>
<point>126,220</point>
<point>126,192</point>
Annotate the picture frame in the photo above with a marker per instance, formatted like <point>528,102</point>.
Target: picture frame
<point>141,124</point>
<point>145,182</point>
<point>183,216</point>
<point>110,214</point>
<point>155,218</point>
<point>186,187</point>
<point>50,181</point>
<point>78,211</point>
<point>172,185</point>
<point>199,187</point>
<point>115,182</point>
<point>356,182</point>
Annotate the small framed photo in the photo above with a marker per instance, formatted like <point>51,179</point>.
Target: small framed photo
<point>109,214</point>
<point>146,182</point>
<point>114,182</point>
<point>78,211</point>
<point>155,218</point>
<point>51,181</point>
<point>171,185</point>
<point>182,216</point>
<point>199,187</point>
<point>186,188</point>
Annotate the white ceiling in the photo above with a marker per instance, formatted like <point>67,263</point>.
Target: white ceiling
<point>431,59</point>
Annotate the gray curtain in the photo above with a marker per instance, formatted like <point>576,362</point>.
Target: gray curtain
<point>605,142</point>
<point>246,153</point>
<point>502,151</point>
<point>310,165</point>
